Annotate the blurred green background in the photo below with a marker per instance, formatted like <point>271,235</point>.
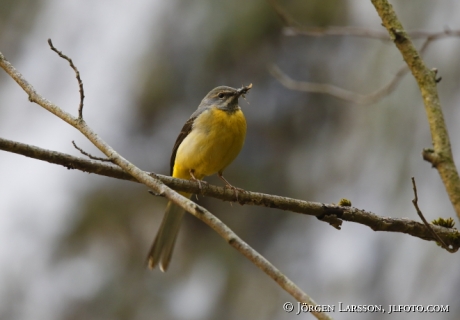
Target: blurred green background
<point>72,245</point>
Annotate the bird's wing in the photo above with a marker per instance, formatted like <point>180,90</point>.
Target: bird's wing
<point>182,135</point>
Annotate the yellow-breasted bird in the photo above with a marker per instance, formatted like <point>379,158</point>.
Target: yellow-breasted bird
<point>209,141</point>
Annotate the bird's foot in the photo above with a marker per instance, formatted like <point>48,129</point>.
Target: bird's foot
<point>230,186</point>
<point>201,183</point>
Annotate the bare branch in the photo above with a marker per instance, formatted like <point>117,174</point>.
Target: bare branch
<point>420,214</point>
<point>158,187</point>
<point>89,155</point>
<point>325,212</point>
<point>363,32</point>
<point>427,80</point>
<point>335,31</point>
<point>77,74</point>
<point>337,92</point>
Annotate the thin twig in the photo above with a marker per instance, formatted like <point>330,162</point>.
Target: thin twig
<point>77,74</point>
<point>335,31</point>
<point>324,212</point>
<point>158,187</point>
<point>362,32</point>
<point>420,214</point>
<point>89,155</point>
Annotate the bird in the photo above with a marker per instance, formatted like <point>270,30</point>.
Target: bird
<point>209,141</point>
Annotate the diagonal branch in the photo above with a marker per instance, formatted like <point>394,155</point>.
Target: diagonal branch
<point>428,226</point>
<point>450,236</point>
<point>441,155</point>
<point>157,186</point>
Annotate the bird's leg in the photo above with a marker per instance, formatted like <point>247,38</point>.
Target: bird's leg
<point>192,171</point>
<point>228,185</point>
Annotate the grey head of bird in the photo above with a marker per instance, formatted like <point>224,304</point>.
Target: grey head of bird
<point>225,98</point>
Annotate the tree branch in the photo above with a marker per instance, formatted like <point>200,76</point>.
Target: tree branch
<point>77,75</point>
<point>450,236</point>
<point>420,214</point>
<point>365,32</point>
<point>158,187</point>
<point>338,92</point>
<point>426,80</point>
<point>83,152</point>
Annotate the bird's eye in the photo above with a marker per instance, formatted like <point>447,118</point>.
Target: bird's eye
<point>221,95</point>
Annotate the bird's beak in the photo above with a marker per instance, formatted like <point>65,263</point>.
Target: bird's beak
<point>243,90</point>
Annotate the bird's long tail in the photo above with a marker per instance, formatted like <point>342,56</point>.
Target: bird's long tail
<point>162,248</point>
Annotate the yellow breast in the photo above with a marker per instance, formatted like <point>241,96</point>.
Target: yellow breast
<point>214,142</point>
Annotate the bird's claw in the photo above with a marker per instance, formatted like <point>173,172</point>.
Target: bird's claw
<point>235,189</point>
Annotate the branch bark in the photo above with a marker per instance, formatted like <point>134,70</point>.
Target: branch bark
<point>450,236</point>
<point>441,155</point>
